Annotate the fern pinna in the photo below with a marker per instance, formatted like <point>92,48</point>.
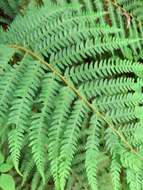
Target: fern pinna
<point>71,97</point>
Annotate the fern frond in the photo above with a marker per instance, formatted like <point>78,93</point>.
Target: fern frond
<point>27,171</point>
<point>37,27</point>
<point>92,59</point>
<point>118,101</point>
<point>133,179</point>
<point>115,172</point>
<point>6,54</point>
<point>108,87</point>
<point>60,35</point>
<point>135,7</point>
<point>112,142</point>
<point>39,126</point>
<point>129,160</point>
<point>92,151</point>
<point>60,115</point>
<point>103,69</point>
<point>129,27</point>
<point>21,108</point>
<point>81,51</point>
<point>8,84</point>
<point>69,141</point>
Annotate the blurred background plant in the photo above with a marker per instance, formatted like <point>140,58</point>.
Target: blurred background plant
<point>10,8</point>
<point>6,180</point>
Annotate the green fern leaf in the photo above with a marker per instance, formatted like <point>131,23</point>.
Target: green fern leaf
<point>115,172</point>
<point>69,142</point>
<point>60,115</point>
<point>21,109</point>
<point>92,151</point>
<point>39,125</point>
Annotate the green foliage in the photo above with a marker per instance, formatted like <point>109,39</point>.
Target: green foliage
<point>71,97</point>
<point>11,8</point>
<point>6,180</point>
<point>135,7</point>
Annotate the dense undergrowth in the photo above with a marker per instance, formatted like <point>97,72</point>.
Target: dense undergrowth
<point>71,101</point>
